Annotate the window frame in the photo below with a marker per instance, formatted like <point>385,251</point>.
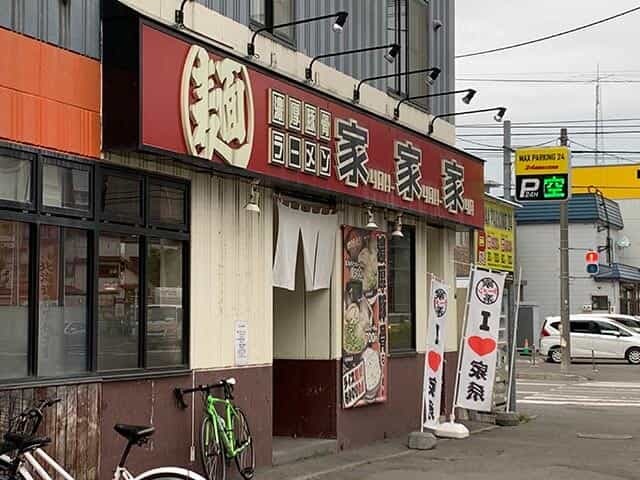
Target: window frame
<point>398,87</point>
<point>128,174</point>
<point>61,211</point>
<point>413,348</point>
<point>275,35</point>
<point>95,225</point>
<point>182,227</point>
<point>31,205</point>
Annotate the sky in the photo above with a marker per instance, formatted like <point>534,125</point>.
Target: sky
<point>613,46</point>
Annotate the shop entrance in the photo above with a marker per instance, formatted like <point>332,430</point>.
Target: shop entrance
<point>304,367</point>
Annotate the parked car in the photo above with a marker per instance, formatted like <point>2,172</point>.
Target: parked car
<point>632,323</point>
<point>594,335</point>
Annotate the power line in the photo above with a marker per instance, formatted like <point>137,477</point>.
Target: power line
<point>536,81</point>
<point>541,134</point>
<point>595,151</point>
<point>549,122</point>
<point>548,37</point>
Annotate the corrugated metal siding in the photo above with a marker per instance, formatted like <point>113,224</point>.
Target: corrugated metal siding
<point>236,9</point>
<point>582,208</point>
<point>441,54</point>
<point>74,26</point>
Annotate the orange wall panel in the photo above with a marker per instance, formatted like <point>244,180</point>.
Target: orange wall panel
<point>49,97</point>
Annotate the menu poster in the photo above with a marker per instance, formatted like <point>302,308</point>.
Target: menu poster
<point>364,317</point>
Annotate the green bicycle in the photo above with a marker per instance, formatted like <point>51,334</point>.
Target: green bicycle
<point>223,437</point>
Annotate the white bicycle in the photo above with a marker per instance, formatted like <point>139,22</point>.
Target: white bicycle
<point>22,455</point>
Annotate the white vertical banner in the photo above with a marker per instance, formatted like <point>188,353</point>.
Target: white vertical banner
<point>477,370</point>
<point>434,359</point>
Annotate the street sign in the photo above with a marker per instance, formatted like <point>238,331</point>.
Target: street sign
<point>592,258</point>
<point>542,174</point>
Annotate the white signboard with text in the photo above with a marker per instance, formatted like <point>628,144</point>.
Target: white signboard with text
<point>434,361</point>
<point>241,342</point>
<point>479,343</point>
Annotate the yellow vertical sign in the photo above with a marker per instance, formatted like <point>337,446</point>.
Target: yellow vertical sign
<point>495,246</point>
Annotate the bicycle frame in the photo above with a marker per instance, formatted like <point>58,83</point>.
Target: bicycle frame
<point>120,473</point>
<point>222,428</point>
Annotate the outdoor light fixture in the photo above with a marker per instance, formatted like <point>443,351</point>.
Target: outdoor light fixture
<point>392,53</point>
<point>433,74</point>
<point>371,224</point>
<point>397,230</point>
<point>252,205</point>
<point>469,96</point>
<point>470,92</point>
<point>179,17</point>
<point>341,19</point>
<point>498,116</point>
<point>338,26</point>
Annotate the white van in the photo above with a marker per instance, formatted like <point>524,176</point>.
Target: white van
<point>601,337</point>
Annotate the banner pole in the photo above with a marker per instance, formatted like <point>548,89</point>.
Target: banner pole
<point>452,417</point>
<point>514,341</point>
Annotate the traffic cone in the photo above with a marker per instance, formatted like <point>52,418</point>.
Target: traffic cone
<point>525,350</point>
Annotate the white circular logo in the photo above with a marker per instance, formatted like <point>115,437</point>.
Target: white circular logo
<point>216,106</point>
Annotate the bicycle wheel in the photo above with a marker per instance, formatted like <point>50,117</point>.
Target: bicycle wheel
<point>211,452</point>
<point>245,460</point>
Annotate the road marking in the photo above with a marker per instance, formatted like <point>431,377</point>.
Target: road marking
<point>540,383</point>
<point>584,404</point>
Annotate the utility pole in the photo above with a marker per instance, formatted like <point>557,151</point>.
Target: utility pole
<point>510,313</point>
<point>565,341</point>
<point>506,160</point>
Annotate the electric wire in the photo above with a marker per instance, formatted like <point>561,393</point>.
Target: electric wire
<point>548,37</point>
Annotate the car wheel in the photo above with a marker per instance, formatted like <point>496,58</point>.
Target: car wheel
<point>555,355</point>
<point>633,356</point>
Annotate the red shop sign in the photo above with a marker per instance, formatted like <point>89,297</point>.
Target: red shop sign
<point>198,102</point>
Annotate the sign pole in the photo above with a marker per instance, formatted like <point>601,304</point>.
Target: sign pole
<point>511,392</point>
<point>564,276</point>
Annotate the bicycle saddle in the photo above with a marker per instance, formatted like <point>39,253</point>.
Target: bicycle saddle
<point>23,442</point>
<point>134,433</point>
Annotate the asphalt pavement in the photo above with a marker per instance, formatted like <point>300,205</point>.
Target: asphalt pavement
<point>578,430</point>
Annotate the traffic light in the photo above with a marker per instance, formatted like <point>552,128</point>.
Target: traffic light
<point>592,258</point>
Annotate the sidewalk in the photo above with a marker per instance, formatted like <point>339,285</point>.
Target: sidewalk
<point>317,467</point>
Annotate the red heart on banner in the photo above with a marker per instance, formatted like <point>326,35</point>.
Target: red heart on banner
<point>434,359</point>
<point>482,346</point>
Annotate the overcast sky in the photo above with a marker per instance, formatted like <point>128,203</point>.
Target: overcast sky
<point>488,24</point>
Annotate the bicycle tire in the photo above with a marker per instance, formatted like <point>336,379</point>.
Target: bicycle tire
<point>169,473</point>
<point>5,471</point>
<point>245,460</point>
<point>211,452</point>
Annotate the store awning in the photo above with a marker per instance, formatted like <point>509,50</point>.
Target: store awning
<point>617,272</point>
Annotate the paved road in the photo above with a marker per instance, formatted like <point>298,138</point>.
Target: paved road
<point>598,394</point>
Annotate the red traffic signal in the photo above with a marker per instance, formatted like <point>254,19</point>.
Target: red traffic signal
<point>592,258</point>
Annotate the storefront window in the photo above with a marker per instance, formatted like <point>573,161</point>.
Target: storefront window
<point>15,179</point>
<point>64,186</point>
<point>166,205</point>
<point>93,278</point>
<point>121,198</point>
<point>14,299</point>
<point>402,291</point>
<point>164,303</point>
<point>62,326</point>
<point>118,288</point>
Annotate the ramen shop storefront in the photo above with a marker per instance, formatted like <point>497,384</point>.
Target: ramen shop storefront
<point>355,212</point>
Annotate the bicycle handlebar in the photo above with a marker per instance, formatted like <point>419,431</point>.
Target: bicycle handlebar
<point>227,384</point>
